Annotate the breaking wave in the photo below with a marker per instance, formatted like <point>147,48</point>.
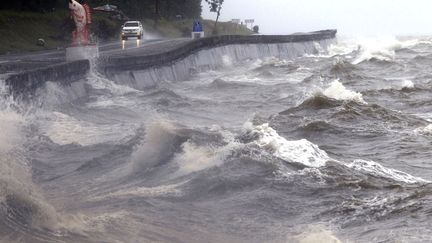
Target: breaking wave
<point>381,48</point>
<point>301,151</point>
<point>338,92</point>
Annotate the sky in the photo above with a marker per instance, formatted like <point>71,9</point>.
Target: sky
<point>350,17</point>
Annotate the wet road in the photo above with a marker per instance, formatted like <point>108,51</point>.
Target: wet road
<point>13,63</point>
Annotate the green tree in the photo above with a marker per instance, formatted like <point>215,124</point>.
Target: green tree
<point>135,9</point>
<point>215,6</point>
<point>29,5</point>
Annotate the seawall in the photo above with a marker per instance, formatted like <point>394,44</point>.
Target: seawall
<point>65,73</point>
<point>142,59</point>
<point>172,60</point>
<point>142,71</point>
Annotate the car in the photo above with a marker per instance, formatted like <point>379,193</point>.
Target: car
<point>132,29</point>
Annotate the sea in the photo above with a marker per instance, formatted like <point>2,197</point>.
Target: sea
<point>327,147</point>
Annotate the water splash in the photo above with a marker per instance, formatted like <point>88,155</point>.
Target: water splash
<point>338,91</point>
<point>300,151</point>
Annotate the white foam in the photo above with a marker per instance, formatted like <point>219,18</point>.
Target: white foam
<point>424,130</point>
<point>315,234</point>
<point>15,174</point>
<point>338,91</point>
<point>227,61</point>
<point>196,158</point>
<point>97,81</point>
<point>375,169</point>
<point>11,123</point>
<point>379,47</point>
<point>382,48</point>
<point>300,151</point>
<point>404,82</point>
<point>407,84</point>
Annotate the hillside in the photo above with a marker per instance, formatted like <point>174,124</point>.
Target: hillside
<point>19,31</point>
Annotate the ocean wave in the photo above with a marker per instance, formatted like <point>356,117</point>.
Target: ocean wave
<point>341,66</point>
<point>401,89</point>
<point>336,94</point>
<point>155,191</point>
<point>372,168</point>
<point>316,102</point>
<point>162,140</point>
<point>367,48</point>
<point>382,48</point>
<point>277,64</point>
<point>193,157</point>
<point>422,58</point>
<point>383,205</point>
<point>64,129</point>
<point>220,83</point>
<point>359,173</point>
<point>189,150</point>
<point>424,130</point>
<point>300,151</point>
<point>24,209</point>
<point>319,126</point>
<point>310,155</point>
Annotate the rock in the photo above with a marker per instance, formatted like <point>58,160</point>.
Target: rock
<point>40,42</point>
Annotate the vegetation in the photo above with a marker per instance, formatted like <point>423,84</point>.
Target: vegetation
<point>26,21</point>
<point>182,28</point>
<point>21,30</point>
<point>215,6</point>
<point>155,9</point>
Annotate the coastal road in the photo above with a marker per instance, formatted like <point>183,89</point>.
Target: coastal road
<point>13,63</point>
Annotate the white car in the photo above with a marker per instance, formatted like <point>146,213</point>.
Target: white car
<point>132,29</point>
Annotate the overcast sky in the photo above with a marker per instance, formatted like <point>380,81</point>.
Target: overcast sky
<point>350,17</point>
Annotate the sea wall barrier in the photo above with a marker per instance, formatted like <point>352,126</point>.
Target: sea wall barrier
<point>64,73</point>
<point>173,53</point>
<point>174,61</point>
<point>177,63</point>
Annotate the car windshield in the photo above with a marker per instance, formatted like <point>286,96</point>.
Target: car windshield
<point>131,24</point>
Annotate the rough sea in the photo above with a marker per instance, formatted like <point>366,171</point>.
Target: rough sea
<point>331,147</point>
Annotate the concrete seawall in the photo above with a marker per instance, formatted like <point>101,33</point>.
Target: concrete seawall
<point>172,60</point>
<point>141,71</point>
<point>63,73</point>
<point>144,59</point>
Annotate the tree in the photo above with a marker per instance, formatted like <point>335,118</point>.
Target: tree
<point>135,9</point>
<point>215,6</point>
<point>29,5</point>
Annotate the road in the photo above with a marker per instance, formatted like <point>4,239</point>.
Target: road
<point>13,63</point>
